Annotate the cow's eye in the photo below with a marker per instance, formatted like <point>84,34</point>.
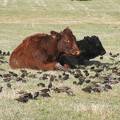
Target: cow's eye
<point>67,41</point>
<point>97,45</point>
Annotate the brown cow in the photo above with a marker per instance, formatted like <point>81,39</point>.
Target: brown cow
<point>40,51</point>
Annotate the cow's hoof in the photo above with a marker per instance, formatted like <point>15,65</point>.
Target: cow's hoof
<point>66,66</point>
<point>58,66</point>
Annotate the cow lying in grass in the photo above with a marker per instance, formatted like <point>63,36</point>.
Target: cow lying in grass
<point>41,51</point>
<point>90,47</point>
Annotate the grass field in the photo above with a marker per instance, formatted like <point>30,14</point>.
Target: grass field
<point>20,18</point>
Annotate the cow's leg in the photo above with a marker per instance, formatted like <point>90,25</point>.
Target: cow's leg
<point>48,66</point>
<point>81,60</point>
<point>69,60</point>
<point>51,66</point>
<point>41,62</point>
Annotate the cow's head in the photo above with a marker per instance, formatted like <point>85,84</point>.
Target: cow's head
<point>93,47</point>
<point>66,42</point>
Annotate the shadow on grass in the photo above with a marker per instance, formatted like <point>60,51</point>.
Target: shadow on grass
<point>95,62</point>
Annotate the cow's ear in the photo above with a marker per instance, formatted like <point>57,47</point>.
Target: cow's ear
<point>67,31</point>
<point>95,37</point>
<point>86,38</point>
<point>55,35</point>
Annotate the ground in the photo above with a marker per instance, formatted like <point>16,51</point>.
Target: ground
<point>19,19</point>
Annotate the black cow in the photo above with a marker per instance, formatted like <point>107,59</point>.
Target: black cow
<point>90,48</point>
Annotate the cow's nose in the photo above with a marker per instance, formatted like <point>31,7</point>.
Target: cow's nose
<point>77,52</point>
<point>103,52</point>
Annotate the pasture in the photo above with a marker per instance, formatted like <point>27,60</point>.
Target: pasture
<point>20,18</point>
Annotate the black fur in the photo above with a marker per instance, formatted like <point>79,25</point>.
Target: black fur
<point>90,48</point>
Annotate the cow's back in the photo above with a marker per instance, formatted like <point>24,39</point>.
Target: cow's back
<point>21,56</point>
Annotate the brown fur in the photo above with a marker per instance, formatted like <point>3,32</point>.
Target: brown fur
<point>40,51</point>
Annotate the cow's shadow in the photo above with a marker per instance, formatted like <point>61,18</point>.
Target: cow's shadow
<point>96,63</point>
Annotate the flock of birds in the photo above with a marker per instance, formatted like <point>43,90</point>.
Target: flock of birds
<point>96,77</point>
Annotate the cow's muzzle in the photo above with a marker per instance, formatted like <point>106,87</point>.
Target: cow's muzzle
<point>76,53</point>
<point>103,52</point>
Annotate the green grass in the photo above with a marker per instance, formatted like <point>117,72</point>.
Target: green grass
<point>20,18</point>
